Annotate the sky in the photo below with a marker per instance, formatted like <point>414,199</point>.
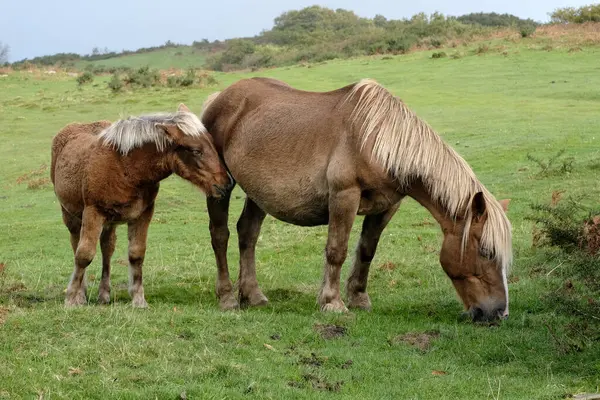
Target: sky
<point>40,27</point>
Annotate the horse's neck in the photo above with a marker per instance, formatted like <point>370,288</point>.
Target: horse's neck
<point>440,213</point>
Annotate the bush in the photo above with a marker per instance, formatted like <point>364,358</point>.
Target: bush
<point>438,54</point>
<point>143,77</point>
<point>115,84</point>
<point>527,30</point>
<point>589,13</point>
<point>86,77</point>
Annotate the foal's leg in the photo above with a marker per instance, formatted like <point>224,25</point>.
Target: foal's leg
<point>356,287</point>
<point>91,227</point>
<point>343,206</point>
<point>248,228</point>
<point>73,224</point>
<point>107,245</point>
<point>218,211</point>
<point>137,232</point>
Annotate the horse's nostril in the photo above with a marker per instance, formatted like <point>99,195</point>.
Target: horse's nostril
<point>477,314</point>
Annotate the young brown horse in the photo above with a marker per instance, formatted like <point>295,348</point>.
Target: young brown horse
<point>105,174</point>
<point>310,158</point>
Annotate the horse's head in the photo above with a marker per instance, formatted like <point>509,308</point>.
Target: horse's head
<point>474,270</point>
<point>195,159</point>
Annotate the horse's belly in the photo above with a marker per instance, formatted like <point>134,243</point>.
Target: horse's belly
<point>304,206</point>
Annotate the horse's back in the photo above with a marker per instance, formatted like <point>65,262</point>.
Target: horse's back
<point>73,132</point>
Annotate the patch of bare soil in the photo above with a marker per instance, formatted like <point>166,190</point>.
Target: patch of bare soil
<point>328,331</point>
<point>420,340</point>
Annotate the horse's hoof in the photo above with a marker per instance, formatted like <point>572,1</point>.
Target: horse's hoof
<point>139,302</point>
<point>360,301</point>
<point>228,302</point>
<point>256,299</point>
<point>78,299</point>
<point>337,307</point>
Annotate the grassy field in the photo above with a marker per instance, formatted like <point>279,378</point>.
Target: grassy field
<point>493,108</point>
<point>178,57</point>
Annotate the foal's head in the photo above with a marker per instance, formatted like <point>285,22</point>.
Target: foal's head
<point>475,256</point>
<point>194,156</point>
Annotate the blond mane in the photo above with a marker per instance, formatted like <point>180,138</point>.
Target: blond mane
<point>409,148</point>
<point>133,132</point>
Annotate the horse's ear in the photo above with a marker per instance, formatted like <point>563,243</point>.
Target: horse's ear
<point>504,203</point>
<point>183,108</point>
<point>171,130</point>
<point>478,205</point>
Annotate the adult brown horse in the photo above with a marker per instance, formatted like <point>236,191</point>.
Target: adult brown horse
<point>105,174</point>
<point>316,158</point>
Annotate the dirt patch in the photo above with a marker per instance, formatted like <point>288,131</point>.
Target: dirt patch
<point>387,266</point>
<point>328,331</point>
<point>317,383</point>
<point>313,361</point>
<point>33,175</point>
<point>420,340</point>
<point>3,314</point>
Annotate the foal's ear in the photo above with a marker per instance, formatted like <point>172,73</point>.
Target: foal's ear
<point>504,203</point>
<point>183,108</point>
<point>478,205</point>
<point>171,130</point>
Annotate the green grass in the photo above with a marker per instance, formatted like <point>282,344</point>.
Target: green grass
<point>493,109</point>
<point>179,57</point>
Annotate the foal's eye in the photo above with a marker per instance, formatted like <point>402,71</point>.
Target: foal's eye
<point>197,152</point>
<point>485,253</point>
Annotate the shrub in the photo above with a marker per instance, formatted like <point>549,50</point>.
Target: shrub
<point>438,54</point>
<point>115,84</point>
<point>86,77</point>
<point>589,13</point>
<point>143,77</point>
<point>527,30</point>
<point>555,165</point>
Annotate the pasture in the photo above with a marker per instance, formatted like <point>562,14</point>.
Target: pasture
<point>493,108</point>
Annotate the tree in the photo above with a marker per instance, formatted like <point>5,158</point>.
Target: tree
<point>4,52</point>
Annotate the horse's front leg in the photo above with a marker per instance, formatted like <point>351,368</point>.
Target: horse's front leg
<point>356,287</point>
<point>137,232</point>
<point>343,206</point>
<point>91,227</point>
<point>218,211</point>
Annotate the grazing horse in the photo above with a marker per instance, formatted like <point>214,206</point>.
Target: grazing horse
<point>108,173</point>
<point>317,158</point>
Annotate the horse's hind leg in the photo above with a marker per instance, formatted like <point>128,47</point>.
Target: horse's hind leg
<point>218,211</point>
<point>137,232</point>
<point>248,228</point>
<point>107,245</point>
<point>356,287</point>
<point>343,206</point>
<point>91,227</point>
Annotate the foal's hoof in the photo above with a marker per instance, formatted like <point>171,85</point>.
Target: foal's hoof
<point>104,298</point>
<point>360,301</point>
<point>256,299</point>
<point>335,306</point>
<point>228,302</point>
<point>139,302</point>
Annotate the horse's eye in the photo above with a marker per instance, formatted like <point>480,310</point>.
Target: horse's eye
<point>197,152</point>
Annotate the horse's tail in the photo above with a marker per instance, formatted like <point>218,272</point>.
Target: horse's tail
<point>66,134</point>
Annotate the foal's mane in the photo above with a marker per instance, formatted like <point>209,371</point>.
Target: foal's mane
<point>127,134</point>
<point>408,148</point>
